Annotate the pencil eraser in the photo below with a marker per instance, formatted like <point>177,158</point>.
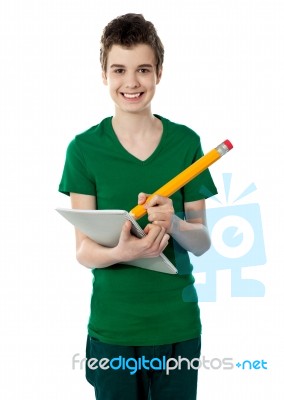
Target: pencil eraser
<point>228,144</point>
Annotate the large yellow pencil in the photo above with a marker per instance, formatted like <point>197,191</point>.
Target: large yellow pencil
<point>185,176</point>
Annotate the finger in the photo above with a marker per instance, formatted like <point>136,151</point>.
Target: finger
<point>164,242</point>
<point>142,197</point>
<point>157,238</point>
<point>157,216</point>
<point>159,235</point>
<point>125,231</point>
<point>161,241</point>
<point>153,231</point>
<point>157,200</point>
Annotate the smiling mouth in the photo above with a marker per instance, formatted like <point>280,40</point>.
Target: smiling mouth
<point>132,95</point>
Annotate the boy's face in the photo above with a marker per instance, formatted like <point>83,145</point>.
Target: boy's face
<point>132,77</point>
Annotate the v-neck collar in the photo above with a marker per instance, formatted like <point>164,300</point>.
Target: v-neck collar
<point>130,155</point>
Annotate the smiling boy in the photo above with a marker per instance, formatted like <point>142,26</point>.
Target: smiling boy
<point>138,313</point>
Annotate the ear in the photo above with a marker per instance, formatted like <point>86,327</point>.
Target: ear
<point>159,75</point>
<point>104,78</point>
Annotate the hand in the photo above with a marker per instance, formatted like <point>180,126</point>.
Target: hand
<point>160,210</point>
<point>130,247</point>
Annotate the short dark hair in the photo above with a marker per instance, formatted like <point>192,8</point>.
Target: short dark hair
<point>129,30</point>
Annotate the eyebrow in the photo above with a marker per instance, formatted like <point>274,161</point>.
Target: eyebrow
<point>145,66</point>
<point>139,66</point>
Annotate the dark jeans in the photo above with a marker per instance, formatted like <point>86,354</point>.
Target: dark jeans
<point>140,372</point>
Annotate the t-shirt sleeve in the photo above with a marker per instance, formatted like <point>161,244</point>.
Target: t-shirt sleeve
<point>202,186</point>
<point>76,177</point>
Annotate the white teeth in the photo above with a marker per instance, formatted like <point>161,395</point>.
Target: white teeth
<point>131,96</point>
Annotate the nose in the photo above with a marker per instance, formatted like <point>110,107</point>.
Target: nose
<point>132,81</point>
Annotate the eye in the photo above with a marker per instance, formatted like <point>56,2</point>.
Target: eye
<point>119,70</point>
<point>144,70</point>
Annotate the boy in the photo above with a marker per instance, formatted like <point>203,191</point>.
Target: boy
<point>139,314</point>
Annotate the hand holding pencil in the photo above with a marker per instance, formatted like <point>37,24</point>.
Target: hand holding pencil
<point>185,176</point>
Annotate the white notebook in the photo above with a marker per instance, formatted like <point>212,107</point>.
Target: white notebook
<point>104,227</point>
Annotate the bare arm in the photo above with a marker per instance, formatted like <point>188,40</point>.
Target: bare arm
<point>192,233</point>
<point>92,255</point>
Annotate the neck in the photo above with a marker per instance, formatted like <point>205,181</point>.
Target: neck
<point>132,123</point>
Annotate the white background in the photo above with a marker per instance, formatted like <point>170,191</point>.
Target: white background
<point>223,78</point>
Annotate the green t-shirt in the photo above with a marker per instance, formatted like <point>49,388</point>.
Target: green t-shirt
<point>131,305</point>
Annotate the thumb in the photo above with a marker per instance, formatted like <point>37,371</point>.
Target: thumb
<point>125,232</point>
